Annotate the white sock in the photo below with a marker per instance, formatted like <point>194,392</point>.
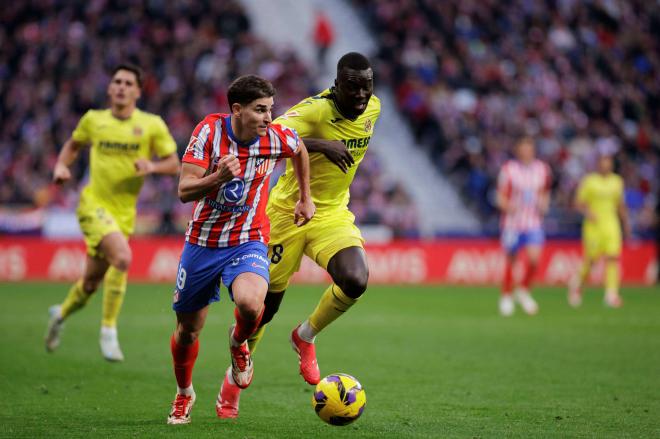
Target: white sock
<point>109,331</point>
<point>188,391</point>
<point>306,332</point>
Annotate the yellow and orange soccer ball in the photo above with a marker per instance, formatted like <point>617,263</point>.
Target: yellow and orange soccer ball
<point>339,399</point>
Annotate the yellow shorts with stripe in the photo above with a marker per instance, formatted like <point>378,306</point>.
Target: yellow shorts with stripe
<point>601,241</point>
<point>320,239</point>
<point>96,222</point>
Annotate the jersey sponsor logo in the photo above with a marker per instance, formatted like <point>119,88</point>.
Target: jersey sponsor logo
<point>254,264</point>
<point>228,207</point>
<point>368,125</point>
<point>233,191</point>
<point>118,146</point>
<point>356,143</point>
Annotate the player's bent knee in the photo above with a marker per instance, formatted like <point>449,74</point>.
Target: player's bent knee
<point>250,307</point>
<point>354,283</point>
<point>122,260</point>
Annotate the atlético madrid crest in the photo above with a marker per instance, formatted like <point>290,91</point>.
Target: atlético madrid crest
<point>367,126</point>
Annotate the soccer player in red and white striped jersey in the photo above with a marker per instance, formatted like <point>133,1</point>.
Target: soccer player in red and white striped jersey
<point>523,196</point>
<point>226,170</point>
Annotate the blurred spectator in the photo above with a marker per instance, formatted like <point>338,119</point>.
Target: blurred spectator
<point>323,37</point>
<point>54,59</point>
<point>471,76</point>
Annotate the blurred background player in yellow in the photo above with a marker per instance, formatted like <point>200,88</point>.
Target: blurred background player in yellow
<point>336,126</point>
<point>600,199</point>
<point>123,141</point>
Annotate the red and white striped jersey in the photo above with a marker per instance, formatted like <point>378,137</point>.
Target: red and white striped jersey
<point>523,185</point>
<point>235,212</point>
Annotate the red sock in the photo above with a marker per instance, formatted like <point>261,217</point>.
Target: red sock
<point>245,328</point>
<point>184,357</point>
<point>530,269</point>
<point>507,283</point>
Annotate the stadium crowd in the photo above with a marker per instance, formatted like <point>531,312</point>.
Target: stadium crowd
<point>190,51</point>
<point>579,76</point>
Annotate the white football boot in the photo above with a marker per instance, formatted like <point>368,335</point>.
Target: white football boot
<point>55,325</point>
<point>506,305</point>
<point>110,345</point>
<point>526,301</point>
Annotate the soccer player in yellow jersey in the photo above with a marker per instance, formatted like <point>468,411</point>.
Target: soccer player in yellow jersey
<point>122,140</point>
<point>600,199</point>
<point>336,126</point>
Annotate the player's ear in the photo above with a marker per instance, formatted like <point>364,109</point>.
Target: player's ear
<point>236,109</point>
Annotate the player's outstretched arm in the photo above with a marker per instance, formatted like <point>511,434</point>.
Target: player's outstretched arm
<point>168,165</point>
<point>305,207</point>
<point>194,185</point>
<point>334,150</point>
<point>66,157</point>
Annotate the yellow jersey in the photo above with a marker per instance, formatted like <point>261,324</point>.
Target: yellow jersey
<point>602,195</point>
<point>115,145</point>
<point>318,117</point>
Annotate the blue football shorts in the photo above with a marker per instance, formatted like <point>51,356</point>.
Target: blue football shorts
<point>513,240</point>
<point>202,268</point>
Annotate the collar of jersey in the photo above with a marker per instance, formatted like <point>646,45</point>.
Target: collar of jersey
<point>230,133</point>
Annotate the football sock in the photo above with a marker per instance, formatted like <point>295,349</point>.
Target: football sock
<point>76,299</point>
<point>306,332</point>
<point>612,277</point>
<point>333,303</point>
<point>507,282</point>
<point>530,270</point>
<point>255,338</point>
<point>244,327</point>
<point>114,290</point>
<point>184,357</point>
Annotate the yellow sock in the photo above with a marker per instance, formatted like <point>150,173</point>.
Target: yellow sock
<point>76,299</point>
<point>255,338</point>
<point>612,277</point>
<point>333,303</point>
<point>114,289</point>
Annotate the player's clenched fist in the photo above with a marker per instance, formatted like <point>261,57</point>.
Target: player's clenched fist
<point>61,173</point>
<point>228,168</point>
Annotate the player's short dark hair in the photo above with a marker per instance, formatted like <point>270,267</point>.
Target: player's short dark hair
<point>354,61</point>
<point>248,88</point>
<point>131,68</point>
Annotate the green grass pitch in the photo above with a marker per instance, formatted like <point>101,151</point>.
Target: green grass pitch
<point>434,361</point>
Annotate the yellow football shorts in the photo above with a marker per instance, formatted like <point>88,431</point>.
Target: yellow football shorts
<point>601,241</point>
<point>320,239</point>
<point>96,222</point>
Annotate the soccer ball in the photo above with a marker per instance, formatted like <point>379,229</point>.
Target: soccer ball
<point>339,399</point>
